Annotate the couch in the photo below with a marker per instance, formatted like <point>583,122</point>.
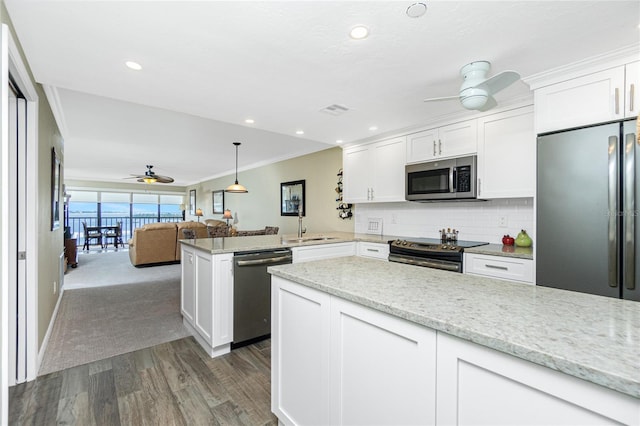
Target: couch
<point>157,243</point>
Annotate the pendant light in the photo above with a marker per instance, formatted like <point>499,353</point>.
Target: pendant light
<point>236,187</point>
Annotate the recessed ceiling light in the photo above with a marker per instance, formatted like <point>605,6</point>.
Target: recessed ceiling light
<point>133,65</point>
<point>339,141</point>
<point>416,10</point>
<point>372,128</point>
<point>299,132</point>
<point>359,32</point>
<point>249,121</point>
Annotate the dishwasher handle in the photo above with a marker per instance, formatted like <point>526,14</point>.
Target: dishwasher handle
<point>267,261</point>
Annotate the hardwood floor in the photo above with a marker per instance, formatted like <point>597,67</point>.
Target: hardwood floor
<point>174,383</point>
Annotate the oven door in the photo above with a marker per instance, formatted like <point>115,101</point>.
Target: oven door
<point>446,265</point>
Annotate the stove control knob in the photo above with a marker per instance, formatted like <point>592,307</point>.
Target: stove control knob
<point>452,247</point>
<point>404,243</point>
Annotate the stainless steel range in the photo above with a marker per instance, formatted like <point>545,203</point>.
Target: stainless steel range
<point>430,252</point>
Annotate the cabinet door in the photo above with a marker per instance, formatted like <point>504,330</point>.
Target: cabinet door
<point>422,146</point>
<point>187,291</point>
<point>478,385</point>
<point>322,251</point>
<point>458,139</point>
<point>507,155</point>
<point>382,368</point>
<point>299,354</point>
<point>203,321</point>
<point>223,299</point>
<point>356,167</point>
<point>632,89</point>
<point>594,98</point>
<point>387,173</point>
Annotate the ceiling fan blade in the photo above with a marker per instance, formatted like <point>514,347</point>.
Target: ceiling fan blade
<point>491,102</point>
<point>444,98</point>
<point>500,81</point>
<point>163,179</point>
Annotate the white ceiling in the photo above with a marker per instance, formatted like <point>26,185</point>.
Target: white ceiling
<point>209,65</point>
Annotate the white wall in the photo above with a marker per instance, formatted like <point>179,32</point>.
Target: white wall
<point>476,221</point>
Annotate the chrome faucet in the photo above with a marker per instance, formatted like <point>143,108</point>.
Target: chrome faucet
<point>300,230</point>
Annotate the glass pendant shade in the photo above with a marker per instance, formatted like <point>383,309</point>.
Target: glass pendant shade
<point>236,187</point>
<point>149,180</point>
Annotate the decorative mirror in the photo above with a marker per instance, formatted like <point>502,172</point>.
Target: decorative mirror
<point>292,198</point>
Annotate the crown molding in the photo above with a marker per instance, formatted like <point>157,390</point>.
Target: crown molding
<point>55,103</point>
<point>614,58</point>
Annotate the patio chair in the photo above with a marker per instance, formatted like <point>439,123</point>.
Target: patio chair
<point>91,234</point>
<point>116,234</point>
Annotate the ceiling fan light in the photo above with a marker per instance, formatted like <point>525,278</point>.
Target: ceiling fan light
<point>149,179</point>
<point>474,102</point>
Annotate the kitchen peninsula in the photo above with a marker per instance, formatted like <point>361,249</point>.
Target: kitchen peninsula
<point>361,341</point>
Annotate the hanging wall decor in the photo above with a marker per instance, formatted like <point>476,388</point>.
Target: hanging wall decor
<point>344,209</point>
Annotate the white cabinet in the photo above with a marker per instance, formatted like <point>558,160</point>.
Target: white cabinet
<point>611,94</point>
<point>299,354</point>
<point>381,370</point>
<point>336,362</point>
<point>322,251</point>
<point>374,172</point>
<point>207,298</point>
<point>478,385</point>
<point>452,140</point>
<point>506,268</point>
<point>373,250</point>
<point>507,154</point>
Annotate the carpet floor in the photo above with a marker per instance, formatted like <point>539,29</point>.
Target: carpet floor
<point>110,308</point>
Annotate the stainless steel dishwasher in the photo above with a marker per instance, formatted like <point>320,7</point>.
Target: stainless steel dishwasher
<point>252,294</point>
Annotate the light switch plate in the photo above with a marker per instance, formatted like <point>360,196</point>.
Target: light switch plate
<point>374,225</point>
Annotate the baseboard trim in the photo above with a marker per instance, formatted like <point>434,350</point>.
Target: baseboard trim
<point>45,341</point>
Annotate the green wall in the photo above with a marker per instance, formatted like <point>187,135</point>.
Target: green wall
<point>261,205</point>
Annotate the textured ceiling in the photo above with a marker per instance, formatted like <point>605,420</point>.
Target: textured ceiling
<point>209,65</point>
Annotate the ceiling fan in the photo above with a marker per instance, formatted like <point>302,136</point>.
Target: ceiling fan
<point>151,177</point>
<point>476,93</point>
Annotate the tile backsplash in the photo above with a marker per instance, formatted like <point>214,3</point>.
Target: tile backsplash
<point>475,221</point>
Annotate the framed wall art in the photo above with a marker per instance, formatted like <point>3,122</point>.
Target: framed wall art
<point>218,201</point>
<point>55,190</point>
<point>192,202</point>
<point>292,198</point>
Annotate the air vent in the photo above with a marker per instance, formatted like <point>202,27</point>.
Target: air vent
<point>335,109</point>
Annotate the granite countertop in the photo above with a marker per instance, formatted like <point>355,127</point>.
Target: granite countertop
<point>270,242</point>
<point>501,250</point>
<point>594,338</point>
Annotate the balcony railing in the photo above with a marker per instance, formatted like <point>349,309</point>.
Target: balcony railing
<point>128,224</point>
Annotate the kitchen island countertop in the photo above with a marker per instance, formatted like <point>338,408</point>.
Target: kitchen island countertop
<point>594,338</point>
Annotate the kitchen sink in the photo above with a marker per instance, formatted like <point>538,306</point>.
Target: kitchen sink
<point>305,239</point>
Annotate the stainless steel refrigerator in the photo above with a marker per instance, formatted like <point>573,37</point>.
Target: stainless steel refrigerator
<point>587,217</point>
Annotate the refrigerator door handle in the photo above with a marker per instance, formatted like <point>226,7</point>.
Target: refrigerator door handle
<point>629,211</point>
<point>613,212</point>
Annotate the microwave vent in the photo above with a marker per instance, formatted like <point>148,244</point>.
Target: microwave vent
<point>335,109</point>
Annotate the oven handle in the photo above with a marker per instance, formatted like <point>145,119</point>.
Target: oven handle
<point>452,188</point>
<point>446,266</point>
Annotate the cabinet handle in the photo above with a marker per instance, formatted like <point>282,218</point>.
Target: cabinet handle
<point>374,250</point>
<point>434,148</point>
<point>617,101</point>
<point>439,147</point>
<point>502,268</point>
<point>479,186</point>
<point>631,96</point>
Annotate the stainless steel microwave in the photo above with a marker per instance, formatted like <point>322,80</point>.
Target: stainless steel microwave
<point>452,179</point>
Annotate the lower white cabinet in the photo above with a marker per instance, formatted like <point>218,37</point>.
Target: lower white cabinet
<point>207,298</point>
<point>322,251</point>
<point>478,385</point>
<point>381,369</point>
<point>505,268</point>
<point>373,250</point>
<point>336,362</point>
<point>299,353</point>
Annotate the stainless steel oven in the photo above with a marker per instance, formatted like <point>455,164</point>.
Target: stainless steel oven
<point>452,179</point>
<point>430,253</point>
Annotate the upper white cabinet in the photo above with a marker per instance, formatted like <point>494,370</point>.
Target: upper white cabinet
<point>602,96</point>
<point>506,154</point>
<point>374,172</point>
<point>447,141</point>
